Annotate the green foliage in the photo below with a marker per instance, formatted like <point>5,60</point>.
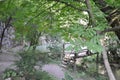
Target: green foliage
<point>9,73</point>
<point>37,75</point>
<point>28,60</point>
<point>31,17</point>
<point>67,18</point>
<point>53,18</point>
<point>55,48</point>
<point>67,77</point>
<point>114,3</point>
<point>55,52</point>
<point>25,67</point>
<point>41,75</point>
<point>101,78</point>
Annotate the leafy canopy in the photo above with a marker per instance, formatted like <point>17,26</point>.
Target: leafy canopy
<point>68,18</point>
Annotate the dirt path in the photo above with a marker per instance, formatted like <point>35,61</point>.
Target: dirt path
<point>58,72</point>
<point>7,61</point>
<point>55,70</point>
<point>7,58</point>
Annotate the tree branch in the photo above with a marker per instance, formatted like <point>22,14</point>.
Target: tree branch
<point>39,14</point>
<point>112,13</point>
<point>109,30</point>
<point>80,1</point>
<point>91,17</point>
<point>70,5</point>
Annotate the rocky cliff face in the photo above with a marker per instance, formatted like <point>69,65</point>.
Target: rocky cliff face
<point>8,36</point>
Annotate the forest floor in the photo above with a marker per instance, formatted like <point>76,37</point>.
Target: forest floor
<point>7,61</point>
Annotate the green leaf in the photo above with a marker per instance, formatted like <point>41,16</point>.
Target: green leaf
<point>68,77</point>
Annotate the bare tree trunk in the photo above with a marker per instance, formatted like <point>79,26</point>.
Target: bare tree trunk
<point>97,64</point>
<point>63,52</point>
<point>74,64</point>
<point>91,17</point>
<point>4,28</point>
<point>107,65</point>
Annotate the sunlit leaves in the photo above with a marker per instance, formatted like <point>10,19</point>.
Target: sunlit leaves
<point>54,17</point>
<point>114,3</point>
<point>94,44</point>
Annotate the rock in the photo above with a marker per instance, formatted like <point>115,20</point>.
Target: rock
<point>8,79</point>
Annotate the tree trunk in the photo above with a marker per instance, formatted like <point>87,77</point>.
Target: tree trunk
<point>74,64</point>
<point>63,52</point>
<point>107,65</point>
<point>4,28</point>
<point>97,64</point>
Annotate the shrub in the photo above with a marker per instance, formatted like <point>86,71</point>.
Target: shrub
<point>26,67</point>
